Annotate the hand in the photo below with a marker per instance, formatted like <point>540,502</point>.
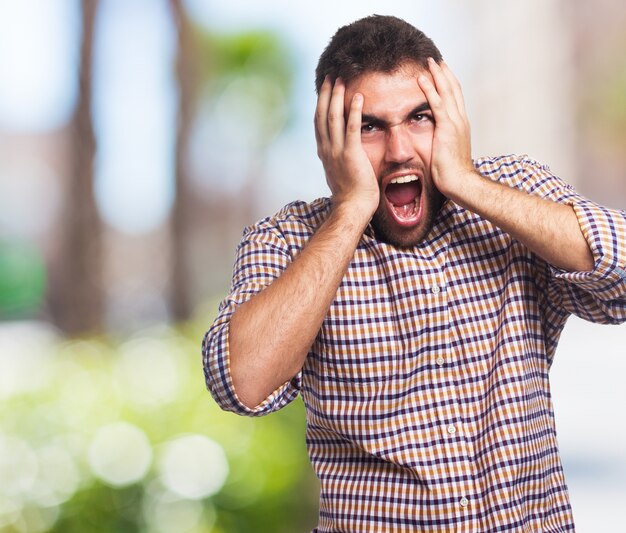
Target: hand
<point>451,160</point>
<point>349,173</point>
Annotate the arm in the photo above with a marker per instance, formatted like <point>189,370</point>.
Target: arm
<point>549,229</point>
<point>271,334</point>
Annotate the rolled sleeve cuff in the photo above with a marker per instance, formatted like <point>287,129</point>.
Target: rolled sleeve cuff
<point>219,381</point>
<point>603,229</point>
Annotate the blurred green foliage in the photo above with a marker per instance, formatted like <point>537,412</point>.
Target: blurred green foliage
<point>253,52</point>
<point>252,70</point>
<point>609,102</point>
<point>205,470</point>
<point>603,102</point>
<point>22,279</point>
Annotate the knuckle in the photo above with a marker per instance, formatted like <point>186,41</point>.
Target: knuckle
<point>334,115</point>
<point>336,153</point>
<point>353,127</point>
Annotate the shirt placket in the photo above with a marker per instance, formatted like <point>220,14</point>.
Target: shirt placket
<point>456,489</point>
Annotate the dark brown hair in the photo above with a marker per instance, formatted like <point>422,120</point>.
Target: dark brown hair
<point>373,44</point>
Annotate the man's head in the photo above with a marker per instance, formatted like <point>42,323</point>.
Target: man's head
<point>381,59</point>
<point>373,44</point>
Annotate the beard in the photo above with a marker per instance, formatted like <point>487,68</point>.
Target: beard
<point>388,231</point>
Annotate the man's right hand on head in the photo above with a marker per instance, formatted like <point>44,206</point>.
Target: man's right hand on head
<point>271,334</point>
<point>349,173</point>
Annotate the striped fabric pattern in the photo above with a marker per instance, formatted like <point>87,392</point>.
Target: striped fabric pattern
<point>426,391</point>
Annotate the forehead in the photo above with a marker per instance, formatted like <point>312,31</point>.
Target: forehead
<point>386,94</point>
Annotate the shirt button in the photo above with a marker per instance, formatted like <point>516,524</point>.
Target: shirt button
<point>464,502</point>
<point>440,361</point>
<point>451,429</point>
<point>435,289</point>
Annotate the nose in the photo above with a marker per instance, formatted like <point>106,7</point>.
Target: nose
<point>399,148</point>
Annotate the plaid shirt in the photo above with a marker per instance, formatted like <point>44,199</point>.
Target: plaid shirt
<point>426,390</point>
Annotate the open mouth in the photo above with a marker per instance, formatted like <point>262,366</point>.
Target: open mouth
<point>403,195</point>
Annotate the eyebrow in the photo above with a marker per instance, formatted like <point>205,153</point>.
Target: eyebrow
<point>373,119</point>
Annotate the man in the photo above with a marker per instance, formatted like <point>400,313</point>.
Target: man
<point>417,311</point>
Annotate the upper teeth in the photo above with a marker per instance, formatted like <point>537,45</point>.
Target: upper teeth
<point>404,179</point>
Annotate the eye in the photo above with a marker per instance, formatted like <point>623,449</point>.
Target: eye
<point>421,117</point>
<point>421,121</point>
<point>368,128</point>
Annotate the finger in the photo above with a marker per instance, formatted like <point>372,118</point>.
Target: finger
<point>434,100</point>
<point>321,112</point>
<point>444,88</point>
<point>336,117</point>
<point>456,87</point>
<point>353,126</point>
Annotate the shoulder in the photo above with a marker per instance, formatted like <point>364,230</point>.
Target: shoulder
<point>505,167</point>
<point>525,173</point>
<point>293,224</point>
<point>298,213</point>
<point>307,213</point>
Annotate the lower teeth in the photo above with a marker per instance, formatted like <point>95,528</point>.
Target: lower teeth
<point>405,211</point>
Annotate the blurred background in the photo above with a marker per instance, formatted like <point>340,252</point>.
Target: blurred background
<point>137,139</point>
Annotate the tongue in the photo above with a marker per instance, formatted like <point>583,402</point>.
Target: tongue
<point>402,193</point>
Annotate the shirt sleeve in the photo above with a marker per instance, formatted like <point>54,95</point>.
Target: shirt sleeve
<point>261,257</point>
<point>600,294</point>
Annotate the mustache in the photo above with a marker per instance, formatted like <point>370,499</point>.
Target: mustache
<point>401,167</point>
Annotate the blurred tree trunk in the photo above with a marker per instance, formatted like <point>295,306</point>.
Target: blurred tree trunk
<point>77,299</point>
<point>180,298</point>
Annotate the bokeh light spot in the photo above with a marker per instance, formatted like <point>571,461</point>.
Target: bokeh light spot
<point>35,519</point>
<point>120,454</point>
<point>58,477</point>
<point>147,372</point>
<point>167,513</point>
<point>193,467</point>
<point>24,353</point>
<point>18,466</point>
